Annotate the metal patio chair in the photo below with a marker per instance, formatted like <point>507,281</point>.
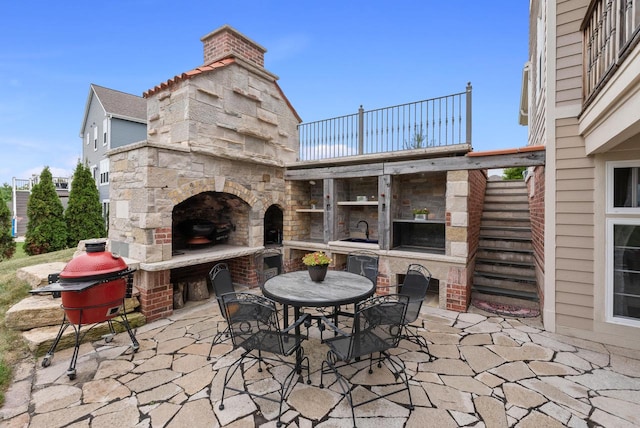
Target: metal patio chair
<point>377,328</point>
<point>254,327</point>
<point>415,287</point>
<point>363,263</point>
<point>221,281</point>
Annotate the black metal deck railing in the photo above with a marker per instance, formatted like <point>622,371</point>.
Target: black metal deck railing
<point>435,122</point>
<point>610,30</point>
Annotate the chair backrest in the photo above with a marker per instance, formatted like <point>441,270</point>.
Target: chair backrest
<point>415,286</point>
<point>363,263</point>
<point>268,263</point>
<point>252,318</point>
<point>377,324</point>
<point>221,282</point>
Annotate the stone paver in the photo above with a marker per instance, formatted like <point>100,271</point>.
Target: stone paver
<point>482,370</point>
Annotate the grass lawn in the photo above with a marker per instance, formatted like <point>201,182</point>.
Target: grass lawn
<point>12,347</point>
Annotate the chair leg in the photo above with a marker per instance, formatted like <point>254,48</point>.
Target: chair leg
<point>345,386</point>
<point>220,337</point>
<point>414,337</point>
<point>401,371</point>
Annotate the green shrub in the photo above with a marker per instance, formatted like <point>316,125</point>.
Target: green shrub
<point>46,229</point>
<point>7,244</point>
<point>84,213</point>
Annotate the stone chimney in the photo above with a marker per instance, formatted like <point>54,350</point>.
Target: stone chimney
<point>226,41</point>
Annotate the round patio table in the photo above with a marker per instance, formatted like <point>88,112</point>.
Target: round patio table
<point>298,290</point>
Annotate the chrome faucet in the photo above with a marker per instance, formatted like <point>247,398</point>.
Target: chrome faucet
<point>366,231</point>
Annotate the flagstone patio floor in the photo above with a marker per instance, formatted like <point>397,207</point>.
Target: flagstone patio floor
<point>482,370</point>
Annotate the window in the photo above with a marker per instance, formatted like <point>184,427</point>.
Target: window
<point>623,187</point>
<point>94,172</point>
<point>105,213</point>
<point>623,242</point>
<point>104,132</point>
<point>87,138</point>
<point>95,138</point>
<point>624,290</point>
<point>104,171</point>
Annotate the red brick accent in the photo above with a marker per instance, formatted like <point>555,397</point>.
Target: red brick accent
<point>475,205</point>
<point>226,41</point>
<point>536,211</point>
<point>162,235</point>
<point>156,294</point>
<point>458,290</point>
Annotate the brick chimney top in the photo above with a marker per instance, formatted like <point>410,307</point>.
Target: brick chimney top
<point>226,41</point>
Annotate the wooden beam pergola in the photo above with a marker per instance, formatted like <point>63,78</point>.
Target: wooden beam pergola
<point>527,156</point>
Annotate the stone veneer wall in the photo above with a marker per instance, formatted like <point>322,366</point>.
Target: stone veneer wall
<point>226,130</point>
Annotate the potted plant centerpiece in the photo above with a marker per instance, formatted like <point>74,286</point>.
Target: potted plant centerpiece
<point>313,203</point>
<point>317,264</point>
<point>420,213</point>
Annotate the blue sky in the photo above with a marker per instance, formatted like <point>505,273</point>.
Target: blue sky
<point>331,57</point>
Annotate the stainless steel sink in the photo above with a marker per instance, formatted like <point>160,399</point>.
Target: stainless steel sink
<point>366,241</point>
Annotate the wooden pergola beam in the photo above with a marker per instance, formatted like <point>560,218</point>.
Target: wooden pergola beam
<point>533,156</point>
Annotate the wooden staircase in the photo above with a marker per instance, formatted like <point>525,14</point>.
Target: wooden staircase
<point>505,269</point>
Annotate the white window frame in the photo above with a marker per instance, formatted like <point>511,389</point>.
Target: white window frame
<point>95,138</point>
<point>609,317</point>
<point>94,173</point>
<point>104,132</point>
<point>609,193</point>
<point>104,169</point>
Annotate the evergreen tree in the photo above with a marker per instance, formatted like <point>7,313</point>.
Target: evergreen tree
<point>46,230</point>
<point>84,212</point>
<point>514,173</point>
<point>7,244</point>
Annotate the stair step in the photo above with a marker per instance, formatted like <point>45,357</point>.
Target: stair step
<point>505,244</point>
<point>506,300</point>
<point>493,196</point>
<point>509,269</point>
<point>505,231</point>
<point>493,255</point>
<point>532,296</point>
<point>501,217</point>
<point>505,205</point>
<point>504,281</point>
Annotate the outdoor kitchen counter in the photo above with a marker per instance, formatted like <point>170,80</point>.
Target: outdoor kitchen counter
<point>190,257</point>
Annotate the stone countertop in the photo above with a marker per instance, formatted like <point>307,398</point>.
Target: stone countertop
<point>190,257</point>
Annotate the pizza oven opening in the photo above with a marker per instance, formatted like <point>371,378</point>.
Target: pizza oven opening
<point>210,218</point>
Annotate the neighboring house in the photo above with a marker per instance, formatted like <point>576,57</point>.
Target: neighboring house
<point>111,119</point>
<point>21,191</point>
<point>583,103</point>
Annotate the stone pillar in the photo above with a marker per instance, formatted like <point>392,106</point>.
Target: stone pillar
<point>156,294</point>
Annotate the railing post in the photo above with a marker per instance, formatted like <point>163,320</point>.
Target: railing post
<point>469,113</point>
<point>360,130</point>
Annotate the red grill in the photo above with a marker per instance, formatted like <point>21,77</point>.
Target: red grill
<point>93,288</point>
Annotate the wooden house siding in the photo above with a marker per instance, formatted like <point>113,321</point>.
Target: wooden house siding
<point>569,51</point>
<point>574,227</point>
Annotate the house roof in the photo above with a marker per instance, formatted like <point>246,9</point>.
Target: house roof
<point>121,104</point>
<point>117,104</point>
<point>215,65</point>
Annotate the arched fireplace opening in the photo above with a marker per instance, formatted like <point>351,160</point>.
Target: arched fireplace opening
<point>210,218</point>
<point>273,226</point>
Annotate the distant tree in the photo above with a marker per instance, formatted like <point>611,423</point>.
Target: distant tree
<point>46,229</point>
<point>6,192</point>
<point>514,173</point>
<point>84,212</point>
<point>7,244</point>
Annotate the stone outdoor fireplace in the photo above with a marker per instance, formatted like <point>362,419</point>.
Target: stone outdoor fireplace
<point>218,139</point>
<point>209,218</point>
